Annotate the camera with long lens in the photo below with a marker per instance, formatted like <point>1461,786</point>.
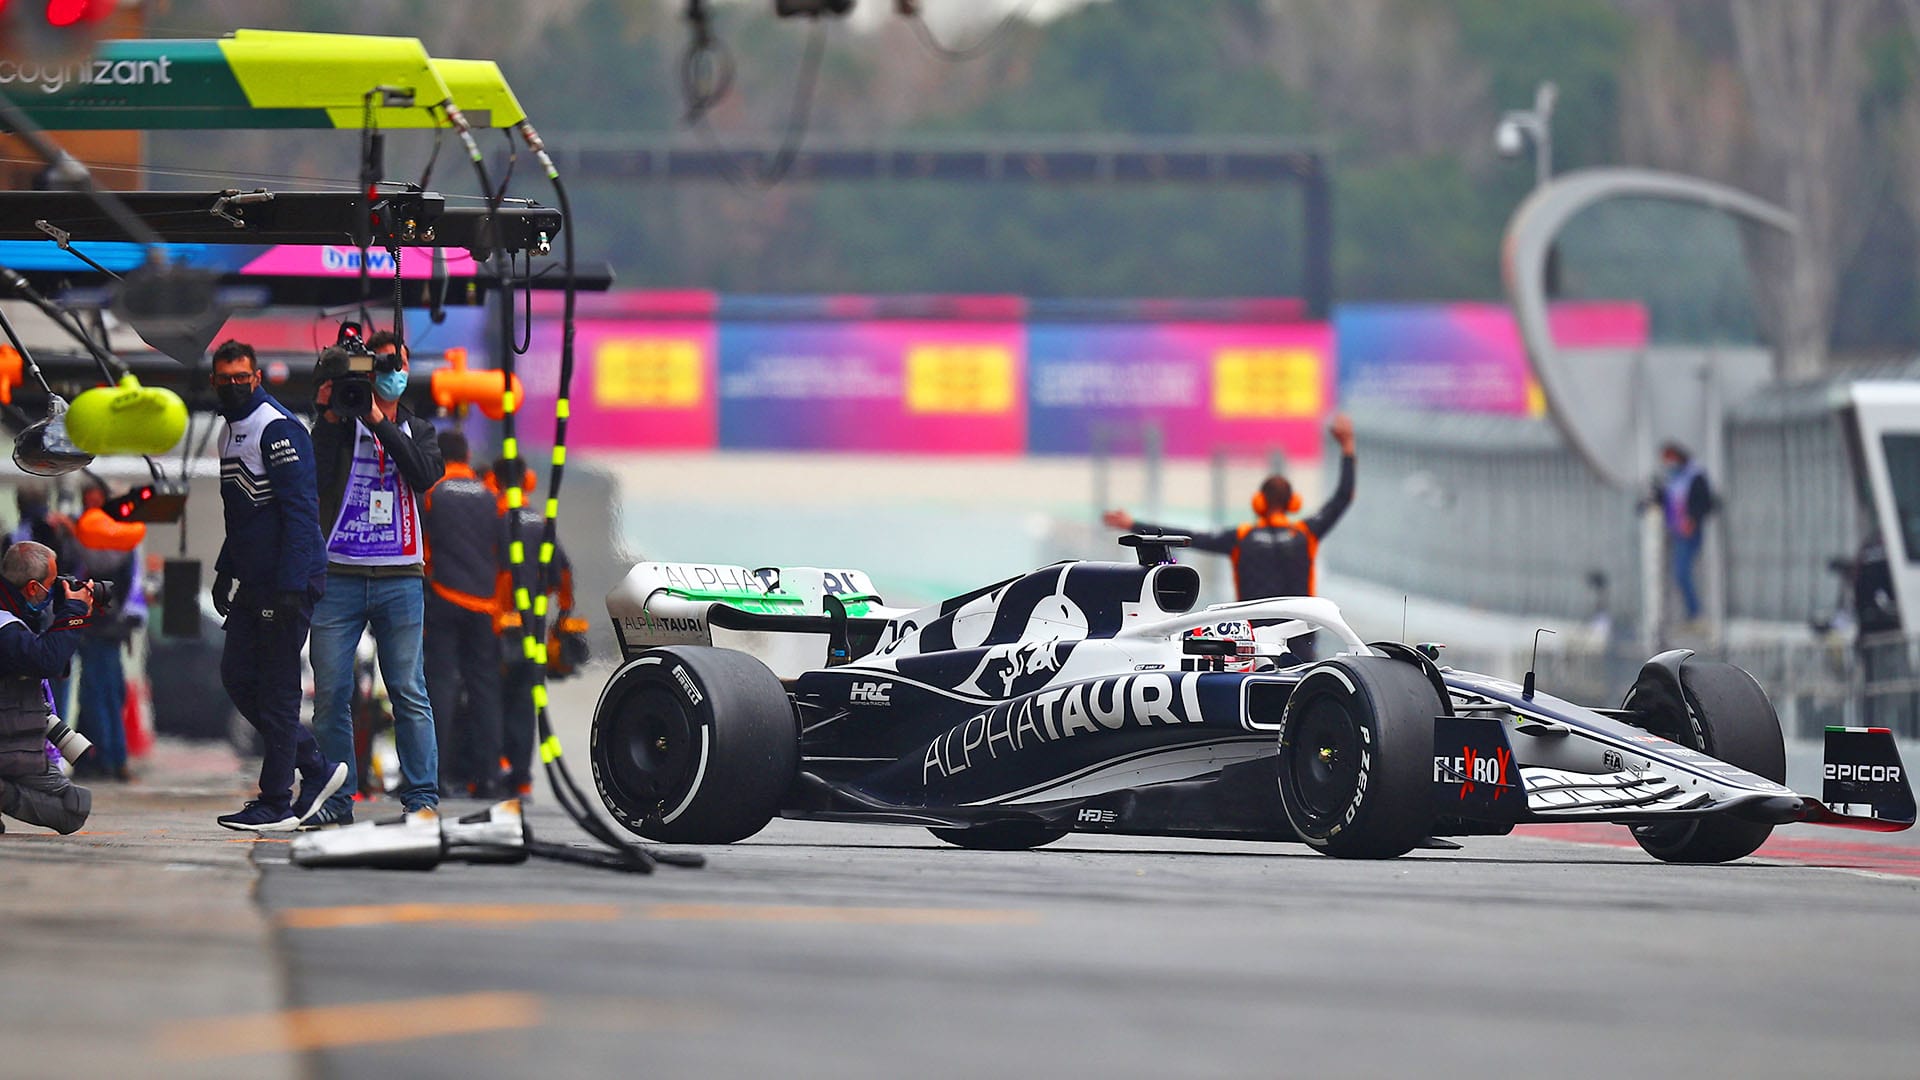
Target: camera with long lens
<point>348,366</point>
<point>102,590</point>
<point>70,742</point>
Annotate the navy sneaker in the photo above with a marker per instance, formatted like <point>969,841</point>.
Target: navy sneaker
<point>257,816</point>
<point>314,792</point>
<point>326,817</point>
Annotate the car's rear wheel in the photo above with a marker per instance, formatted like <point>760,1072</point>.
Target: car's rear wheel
<point>693,745</point>
<point>1356,754</point>
<point>1719,710</point>
<point>1002,836</point>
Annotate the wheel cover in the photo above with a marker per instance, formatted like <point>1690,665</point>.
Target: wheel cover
<point>1325,762</point>
<point>648,748</point>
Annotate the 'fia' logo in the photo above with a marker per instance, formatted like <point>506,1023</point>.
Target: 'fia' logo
<point>870,693</point>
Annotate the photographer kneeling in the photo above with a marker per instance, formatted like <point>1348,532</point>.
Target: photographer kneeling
<point>40,618</point>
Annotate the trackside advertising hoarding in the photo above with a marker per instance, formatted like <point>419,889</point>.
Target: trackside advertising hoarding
<point>938,375</point>
<point>914,385</point>
<point>644,372</point>
<point>1240,387</point>
<point>1465,357</point>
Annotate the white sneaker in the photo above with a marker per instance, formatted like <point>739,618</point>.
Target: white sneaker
<point>312,800</point>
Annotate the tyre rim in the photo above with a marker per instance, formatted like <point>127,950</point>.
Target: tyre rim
<point>1326,756</point>
<point>649,749</point>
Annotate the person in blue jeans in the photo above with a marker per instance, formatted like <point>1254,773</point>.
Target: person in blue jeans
<point>372,465</point>
<point>1686,497</point>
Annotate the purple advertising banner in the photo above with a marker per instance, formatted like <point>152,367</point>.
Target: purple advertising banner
<point>1464,357</point>
<point>1237,388</point>
<point>927,386</point>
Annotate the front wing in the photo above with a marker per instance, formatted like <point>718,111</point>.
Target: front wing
<point>1476,777</point>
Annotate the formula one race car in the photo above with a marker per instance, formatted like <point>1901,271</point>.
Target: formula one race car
<point>1090,696</point>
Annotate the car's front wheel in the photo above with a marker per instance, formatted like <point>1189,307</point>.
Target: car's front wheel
<point>1356,757</point>
<point>694,745</point>
<point>1719,710</point>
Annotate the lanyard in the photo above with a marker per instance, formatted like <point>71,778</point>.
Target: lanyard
<point>379,461</point>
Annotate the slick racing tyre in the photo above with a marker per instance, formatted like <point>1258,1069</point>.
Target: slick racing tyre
<point>1002,836</point>
<point>1720,711</point>
<point>694,745</point>
<point>1356,757</point>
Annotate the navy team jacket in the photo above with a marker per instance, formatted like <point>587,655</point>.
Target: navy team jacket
<point>272,505</point>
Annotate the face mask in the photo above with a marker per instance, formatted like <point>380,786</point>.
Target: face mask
<point>234,399</point>
<point>40,605</point>
<point>389,385</point>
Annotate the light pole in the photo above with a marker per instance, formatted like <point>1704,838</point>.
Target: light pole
<point>1518,127</point>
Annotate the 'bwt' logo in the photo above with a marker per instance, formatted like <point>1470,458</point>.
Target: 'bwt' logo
<point>339,258</point>
<point>870,693</point>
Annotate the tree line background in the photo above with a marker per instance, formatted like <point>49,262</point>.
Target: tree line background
<point>1814,104</point>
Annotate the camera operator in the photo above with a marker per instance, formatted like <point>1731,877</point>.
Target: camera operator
<point>41,615</point>
<point>374,459</point>
<point>265,581</point>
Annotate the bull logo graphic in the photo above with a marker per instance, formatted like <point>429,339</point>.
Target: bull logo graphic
<point>1013,670</point>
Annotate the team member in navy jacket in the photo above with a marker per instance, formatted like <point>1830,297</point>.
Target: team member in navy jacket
<point>269,573</point>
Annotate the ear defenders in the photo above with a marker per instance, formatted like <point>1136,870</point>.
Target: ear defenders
<point>1261,510</point>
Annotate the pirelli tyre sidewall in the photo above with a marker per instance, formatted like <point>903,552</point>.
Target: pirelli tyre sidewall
<point>1356,751</point>
<point>1719,710</point>
<point>694,745</point>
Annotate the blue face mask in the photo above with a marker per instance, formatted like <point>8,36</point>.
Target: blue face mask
<point>46,598</point>
<point>389,385</point>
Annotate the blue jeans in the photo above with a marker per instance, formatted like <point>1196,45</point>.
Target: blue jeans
<point>393,607</point>
<point>1686,550</point>
<point>103,701</point>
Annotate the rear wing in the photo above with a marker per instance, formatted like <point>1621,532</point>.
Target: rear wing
<point>794,618</point>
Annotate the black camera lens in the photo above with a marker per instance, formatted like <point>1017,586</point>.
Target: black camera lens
<point>102,590</point>
<point>352,395</point>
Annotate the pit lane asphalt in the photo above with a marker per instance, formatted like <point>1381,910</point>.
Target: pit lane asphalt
<point>853,951</point>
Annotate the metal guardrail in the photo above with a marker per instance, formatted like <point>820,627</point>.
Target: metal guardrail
<point>1497,512</point>
<point>1488,511</point>
<point>1787,505</point>
<point>1815,682</point>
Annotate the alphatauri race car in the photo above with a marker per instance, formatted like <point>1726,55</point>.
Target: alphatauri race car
<point>1093,697</point>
